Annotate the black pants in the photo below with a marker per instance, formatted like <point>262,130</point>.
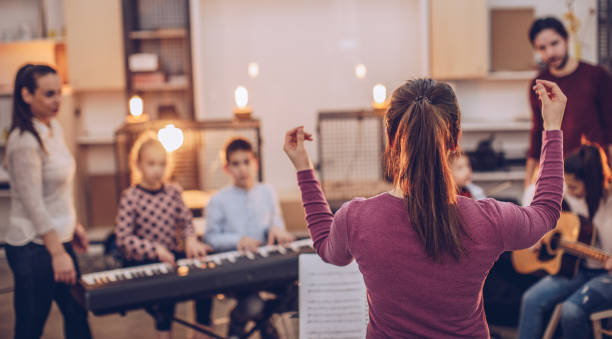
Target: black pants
<point>163,312</point>
<point>35,289</point>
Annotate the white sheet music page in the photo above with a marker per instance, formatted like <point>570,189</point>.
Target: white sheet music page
<point>333,301</point>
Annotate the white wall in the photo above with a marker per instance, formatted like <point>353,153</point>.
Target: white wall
<point>101,113</point>
<point>307,52</point>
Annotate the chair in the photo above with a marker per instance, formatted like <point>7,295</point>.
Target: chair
<point>552,323</point>
<point>596,318</point>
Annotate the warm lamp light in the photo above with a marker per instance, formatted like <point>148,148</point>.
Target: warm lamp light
<point>379,93</point>
<point>241,96</point>
<point>360,71</point>
<point>253,70</point>
<point>242,110</point>
<point>136,106</point>
<point>136,110</point>
<point>170,137</point>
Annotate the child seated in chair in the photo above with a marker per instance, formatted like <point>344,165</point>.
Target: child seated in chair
<point>244,216</point>
<point>151,215</point>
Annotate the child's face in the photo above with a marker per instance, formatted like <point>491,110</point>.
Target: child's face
<point>241,166</point>
<point>462,172</point>
<point>152,165</point>
<point>575,186</point>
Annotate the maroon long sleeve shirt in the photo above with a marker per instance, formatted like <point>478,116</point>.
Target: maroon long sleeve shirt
<point>410,295</point>
<point>588,111</point>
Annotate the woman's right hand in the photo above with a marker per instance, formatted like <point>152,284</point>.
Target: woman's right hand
<point>63,268</point>
<point>553,103</point>
<point>294,147</point>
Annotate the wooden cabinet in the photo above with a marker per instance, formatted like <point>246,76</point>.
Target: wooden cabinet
<point>459,33</point>
<point>94,44</point>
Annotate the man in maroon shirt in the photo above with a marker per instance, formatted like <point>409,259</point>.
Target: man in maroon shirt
<point>588,89</point>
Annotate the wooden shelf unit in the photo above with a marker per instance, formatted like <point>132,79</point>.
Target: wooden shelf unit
<point>162,28</point>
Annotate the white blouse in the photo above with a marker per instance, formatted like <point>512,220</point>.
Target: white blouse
<point>41,185</point>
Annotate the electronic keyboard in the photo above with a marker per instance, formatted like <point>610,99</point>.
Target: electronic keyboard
<point>124,289</point>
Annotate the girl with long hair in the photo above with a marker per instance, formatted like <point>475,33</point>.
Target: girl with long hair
<point>587,179</point>
<point>425,252</point>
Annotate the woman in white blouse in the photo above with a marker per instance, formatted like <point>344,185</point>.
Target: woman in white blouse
<point>42,227</point>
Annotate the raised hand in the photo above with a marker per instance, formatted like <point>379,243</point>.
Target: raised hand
<point>294,148</point>
<point>553,103</point>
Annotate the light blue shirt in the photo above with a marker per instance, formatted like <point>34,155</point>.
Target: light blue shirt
<point>233,213</point>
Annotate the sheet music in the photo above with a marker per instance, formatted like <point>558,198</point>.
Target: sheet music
<point>333,302</point>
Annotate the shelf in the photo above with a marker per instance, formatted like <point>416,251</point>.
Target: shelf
<point>511,126</point>
<point>162,87</point>
<point>93,140</point>
<point>170,33</point>
<point>30,41</point>
<point>512,75</point>
<point>511,175</point>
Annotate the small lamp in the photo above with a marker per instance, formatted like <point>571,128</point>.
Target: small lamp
<point>242,111</point>
<point>380,103</point>
<point>136,110</point>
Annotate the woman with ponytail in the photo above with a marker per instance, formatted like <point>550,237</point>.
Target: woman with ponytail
<point>587,179</point>
<point>425,252</point>
<point>42,231</point>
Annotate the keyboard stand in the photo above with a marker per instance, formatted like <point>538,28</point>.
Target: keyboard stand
<point>197,327</point>
<point>282,303</point>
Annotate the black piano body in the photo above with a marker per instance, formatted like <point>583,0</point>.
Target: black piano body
<point>124,289</point>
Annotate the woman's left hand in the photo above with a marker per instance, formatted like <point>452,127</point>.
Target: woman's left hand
<point>195,248</point>
<point>294,147</point>
<point>80,242</point>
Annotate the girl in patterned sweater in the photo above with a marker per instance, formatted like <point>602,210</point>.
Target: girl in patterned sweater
<point>151,216</point>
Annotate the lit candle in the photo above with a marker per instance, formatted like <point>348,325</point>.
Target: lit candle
<point>135,106</point>
<point>136,110</point>
<point>379,92</point>
<point>241,97</point>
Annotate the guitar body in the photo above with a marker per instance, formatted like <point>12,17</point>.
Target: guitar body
<point>551,259</point>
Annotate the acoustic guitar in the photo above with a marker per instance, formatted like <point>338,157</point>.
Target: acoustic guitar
<point>561,248</point>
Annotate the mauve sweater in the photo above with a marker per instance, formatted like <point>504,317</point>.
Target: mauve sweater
<point>409,295</point>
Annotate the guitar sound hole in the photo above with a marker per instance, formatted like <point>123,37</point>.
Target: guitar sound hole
<point>544,255</point>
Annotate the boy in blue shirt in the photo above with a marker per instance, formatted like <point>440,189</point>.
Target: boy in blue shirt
<point>244,216</point>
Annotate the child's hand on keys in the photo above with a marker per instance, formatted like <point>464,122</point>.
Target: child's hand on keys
<point>279,235</point>
<point>247,244</point>
<point>294,147</point>
<point>195,248</point>
<point>553,103</point>
<point>164,255</point>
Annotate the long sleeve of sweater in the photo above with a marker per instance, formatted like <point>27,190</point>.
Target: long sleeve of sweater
<point>517,227</point>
